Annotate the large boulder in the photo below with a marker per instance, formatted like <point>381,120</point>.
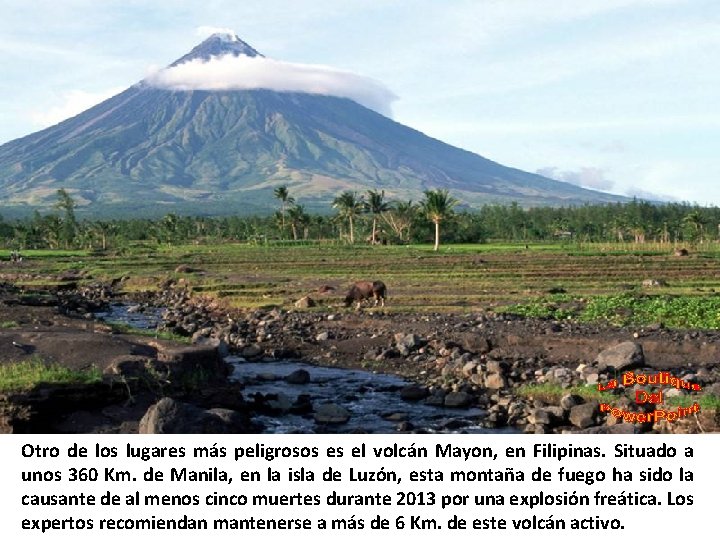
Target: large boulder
<point>299,376</point>
<point>330,413</point>
<point>458,400</point>
<point>171,416</point>
<point>620,357</point>
<point>409,341</point>
<point>413,392</point>
<point>191,364</point>
<point>584,415</point>
<point>212,342</point>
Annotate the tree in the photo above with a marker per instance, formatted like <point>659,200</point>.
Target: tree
<point>437,207</point>
<point>400,219</point>
<point>349,205</point>
<point>169,227</point>
<point>283,195</point>
<point>104,230</point>
<point>694,224</point>
<point>51,228</point>
<point>69,223</point>
<point>298,218</point>
<point>376,206</point>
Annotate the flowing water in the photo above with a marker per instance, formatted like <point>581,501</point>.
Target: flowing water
<point>372,399</point>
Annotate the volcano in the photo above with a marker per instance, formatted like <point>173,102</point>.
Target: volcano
<point>152,150</point>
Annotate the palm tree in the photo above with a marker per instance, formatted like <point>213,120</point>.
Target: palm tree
<point>298,217</point>
<point>349,205</point>
<point>437,207</point>
<point>105,229</point>
<point>694,221</point>
<point>377,206</point>
<point>283,195</point>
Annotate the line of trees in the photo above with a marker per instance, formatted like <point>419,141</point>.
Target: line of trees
<point>371,218</point>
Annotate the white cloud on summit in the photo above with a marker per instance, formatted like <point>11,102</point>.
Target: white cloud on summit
<point>246,73</point>
<point>206,31</point>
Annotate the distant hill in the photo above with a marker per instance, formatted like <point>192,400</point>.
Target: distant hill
<point>152,151</point>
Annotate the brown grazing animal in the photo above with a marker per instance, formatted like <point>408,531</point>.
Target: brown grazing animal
<point>364,290</point>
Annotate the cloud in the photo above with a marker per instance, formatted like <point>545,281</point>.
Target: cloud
<point>206,31</point>
<point>650,195</point>
<point>589,177</point>
<point>246,73</point>
<point>73,103</point>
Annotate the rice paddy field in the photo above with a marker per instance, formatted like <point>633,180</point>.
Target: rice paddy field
<point>620,284</point>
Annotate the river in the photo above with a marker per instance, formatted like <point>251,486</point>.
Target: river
<point>373,399</point>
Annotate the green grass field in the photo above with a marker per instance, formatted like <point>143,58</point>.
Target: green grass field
<point>590,282</point>
<point>23,375</point>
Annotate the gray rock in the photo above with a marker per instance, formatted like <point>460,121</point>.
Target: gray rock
<point>186,363</point>
<point>477,378</point>
<point>437,399</point>
<point>404,426</point>
<point>498,354</point>
<point>280,403</point>
<point>469,368</point>
<point>171,416</point>
<point>323,336</point>
<point>458,400</point>
<point>305,302</point>
<point>625,355</point>
<point>330,413</point>
<point>299,376</point>
<point>542,417</point>
<point>495,381</point>
<point>220,344</point>
<point>413,392</point>
<point>496,366</point>
<point>476,343</point>
<point>583,415</point>
<point>201,334</point>
<point>410,341</point>
<point>712,390</point>
<point>568,401</point>
<point>396,416</point>
<point>556,412</point>
<point>251,351</point>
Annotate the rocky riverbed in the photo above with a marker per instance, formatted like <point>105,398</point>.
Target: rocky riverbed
<point>235,375</point>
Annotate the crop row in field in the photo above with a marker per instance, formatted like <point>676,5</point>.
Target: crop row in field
<point>459,278</point>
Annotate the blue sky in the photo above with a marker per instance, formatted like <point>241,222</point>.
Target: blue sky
<point>618,95</point>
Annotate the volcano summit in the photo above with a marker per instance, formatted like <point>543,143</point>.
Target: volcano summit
<point>221,127</point>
